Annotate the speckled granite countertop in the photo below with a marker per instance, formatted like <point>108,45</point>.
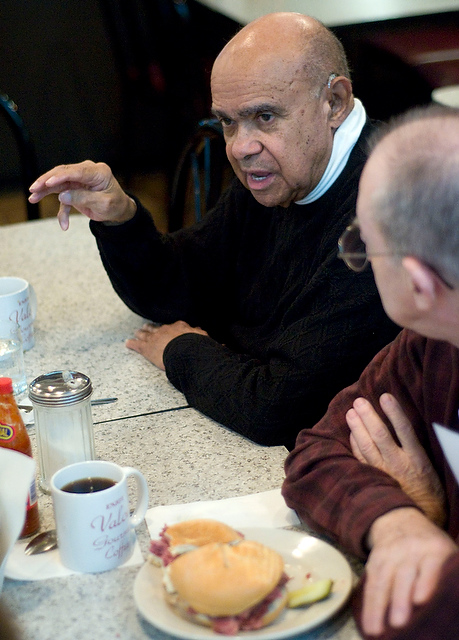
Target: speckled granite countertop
<point>81,324</point>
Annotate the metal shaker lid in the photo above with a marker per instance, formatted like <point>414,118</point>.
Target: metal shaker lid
<point>60,388</point>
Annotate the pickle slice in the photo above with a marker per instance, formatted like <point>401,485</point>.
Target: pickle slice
<point>310,593</point>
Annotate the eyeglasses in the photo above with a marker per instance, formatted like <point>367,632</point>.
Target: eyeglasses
<point>352,249</point>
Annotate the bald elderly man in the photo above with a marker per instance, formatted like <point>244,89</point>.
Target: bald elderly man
<point>259,323</point>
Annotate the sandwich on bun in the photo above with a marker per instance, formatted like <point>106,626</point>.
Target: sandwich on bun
<point>188,535</point>
<point>229,587</point>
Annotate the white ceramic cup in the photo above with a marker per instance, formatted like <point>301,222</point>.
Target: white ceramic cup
<point>94,530</point>
<point>18,303</point>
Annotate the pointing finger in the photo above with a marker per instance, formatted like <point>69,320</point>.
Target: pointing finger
<point>63,216</point>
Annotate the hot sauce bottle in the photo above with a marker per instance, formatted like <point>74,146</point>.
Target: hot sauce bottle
<point>13,435</point>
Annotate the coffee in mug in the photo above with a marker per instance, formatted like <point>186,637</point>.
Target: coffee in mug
<point>95,530</point>
<point>88,485</point>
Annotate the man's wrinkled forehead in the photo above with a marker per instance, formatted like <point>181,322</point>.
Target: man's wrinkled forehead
<point>253,53</point>
<point>266,79</point>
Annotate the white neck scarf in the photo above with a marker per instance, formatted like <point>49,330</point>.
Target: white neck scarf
<point>345,138</point>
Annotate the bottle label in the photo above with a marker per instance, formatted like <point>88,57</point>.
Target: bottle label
<point>32,497</point>
<point>6,432</point>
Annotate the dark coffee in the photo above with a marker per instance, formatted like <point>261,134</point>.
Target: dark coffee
<point>88,485</point>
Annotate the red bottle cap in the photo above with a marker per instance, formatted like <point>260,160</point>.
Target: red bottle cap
<point>6,385</point>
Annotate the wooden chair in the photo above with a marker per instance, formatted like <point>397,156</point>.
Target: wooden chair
<point>202,173</point>
<point>27,156</point>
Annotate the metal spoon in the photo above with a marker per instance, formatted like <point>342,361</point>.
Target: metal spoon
<point>103,401</point>
<point>45,541</point>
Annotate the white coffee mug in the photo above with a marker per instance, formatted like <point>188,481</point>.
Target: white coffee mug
<point>18,303</point>
<point>94,529</point>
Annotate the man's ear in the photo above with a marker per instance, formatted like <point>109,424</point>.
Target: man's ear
<point>340,100</point>
<point>425,283</point>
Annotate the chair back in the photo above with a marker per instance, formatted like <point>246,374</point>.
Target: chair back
<point>27,156</point>
<point>202,173</point>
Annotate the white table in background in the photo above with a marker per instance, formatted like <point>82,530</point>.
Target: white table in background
<point>447,96</point>
<point>333,13</point>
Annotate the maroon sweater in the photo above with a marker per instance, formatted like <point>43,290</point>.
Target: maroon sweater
<point>337,495</point>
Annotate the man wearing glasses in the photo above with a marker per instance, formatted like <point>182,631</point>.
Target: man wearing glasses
<point>372,473</point>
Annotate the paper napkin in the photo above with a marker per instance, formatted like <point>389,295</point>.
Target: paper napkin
<point>449,441</point>
<point>48,565</point>
<point>266,509</point>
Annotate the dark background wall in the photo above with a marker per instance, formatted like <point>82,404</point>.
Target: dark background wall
<point>395,64</point>
<point>57,65</point>
<point>121,81</point>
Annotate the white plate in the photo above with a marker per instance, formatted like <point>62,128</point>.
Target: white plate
<point>305,558</point>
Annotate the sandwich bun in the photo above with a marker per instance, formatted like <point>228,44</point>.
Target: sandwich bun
<point>227,586</point>
<point>187,535</point>
<point>200,532</point>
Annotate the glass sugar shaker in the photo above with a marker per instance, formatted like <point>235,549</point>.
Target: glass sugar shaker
<point>63,420</point>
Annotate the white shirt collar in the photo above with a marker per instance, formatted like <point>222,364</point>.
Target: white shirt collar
<point>344,140</point>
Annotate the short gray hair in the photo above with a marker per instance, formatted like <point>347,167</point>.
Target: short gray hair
<point>417,211</point>
<point>325,56</point>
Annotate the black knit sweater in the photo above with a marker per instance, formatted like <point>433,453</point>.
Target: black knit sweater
<point>290,325</point>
